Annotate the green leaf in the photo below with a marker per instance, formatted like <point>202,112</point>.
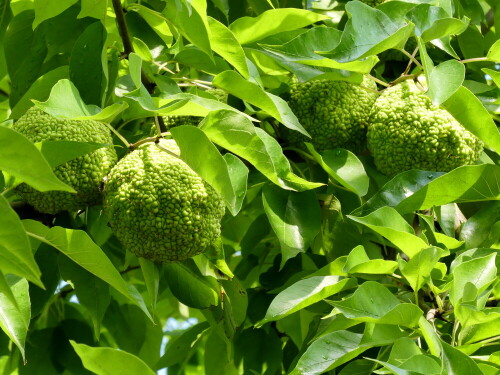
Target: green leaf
<point>295,218</point>
<point>212,166</point>
<point>470,112</point>
<point>358,262</point>
<point>238,135</point>
<point>494,52</point>
<point>358,42</point>
<point>238,298</point>
<point>337,348</point>
<point>274,21</point>
<point>480,227</point>
<point>155,20</point>
<point>304,293</point>
<point>397,190</point>
<point>478,325</point>
<point>445,80</point>
<point>218,359</point>
<point>135,68</point>
<point>79,247</point>
<point>434,23</point>
<point>88,64</point>
<point>92,292</point>
<point>39,90</point>
<point>17,257</point>
<point>470,183</point>
<point>15,309</point>
<point>418,269</point>
<point>179,347</point>
<point>418,364</point>
<point>189,286</point>
<point>372,302</point>
<point>456,362</point>
<point>344,167</point>
<point>387,222</point>
<point>190,18</point>
<point>225,44</point>
<point>60,152</point>
<point>236,85</point>
<point>94,9</point>
<point>480,272</point>
<point>151,274</point>
<point>45,9</point>
<point>65,101</point>
<point>21,159</point>
<point>108,361</point>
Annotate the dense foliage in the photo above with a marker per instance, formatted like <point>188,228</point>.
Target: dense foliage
<point>324,264</point>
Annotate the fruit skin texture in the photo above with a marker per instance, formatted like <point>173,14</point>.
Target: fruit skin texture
<point>373,3</point>
<point>408,132</point>
<point>158,207</point>
<point>84,173</point>
<point>334,113</point>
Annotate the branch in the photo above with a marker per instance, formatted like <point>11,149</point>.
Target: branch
<point>127,43</point>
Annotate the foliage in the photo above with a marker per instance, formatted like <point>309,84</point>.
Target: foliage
<point>324,264</point>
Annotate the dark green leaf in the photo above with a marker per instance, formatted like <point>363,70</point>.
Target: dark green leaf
<point>88,66</point>
<point>80,248</point>
<point>189,286</point>
<point>294,216</point>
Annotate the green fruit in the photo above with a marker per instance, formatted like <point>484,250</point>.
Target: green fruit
<point>334,113</point>
<point>408,132</point>
<point>158,207</point>
<point>85,173</point>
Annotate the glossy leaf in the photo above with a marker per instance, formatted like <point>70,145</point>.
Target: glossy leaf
<point>178,347</point>
<point>87,69</point>
<point>470,112</point>
<point>359,262</point>
<point>248,30</point>
<point>80,248</point>
<point>107,361</point>
<point>235,84</point>
<point>20,158</point>
<point>15,309</point>
<point>211,165</point>
<point>304,293</point>
<point>225,44</point>
<point>189,286</point>
<point>372,302</point>
<point>92,292</point>
<point>357,43</point>
<point>444,80</point>
<point>387,222</point>
<point>294,217</point>
<point>418,269</point>
<point>191,20</point>
<point>17,257</point>
<point>238,135</point>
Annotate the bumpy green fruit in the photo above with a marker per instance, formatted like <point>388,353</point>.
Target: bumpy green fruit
<point>85,173</point>
<point>334,113</point>
<point>408,132</point>
<point>158,207</point>
<point>373,3</point>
